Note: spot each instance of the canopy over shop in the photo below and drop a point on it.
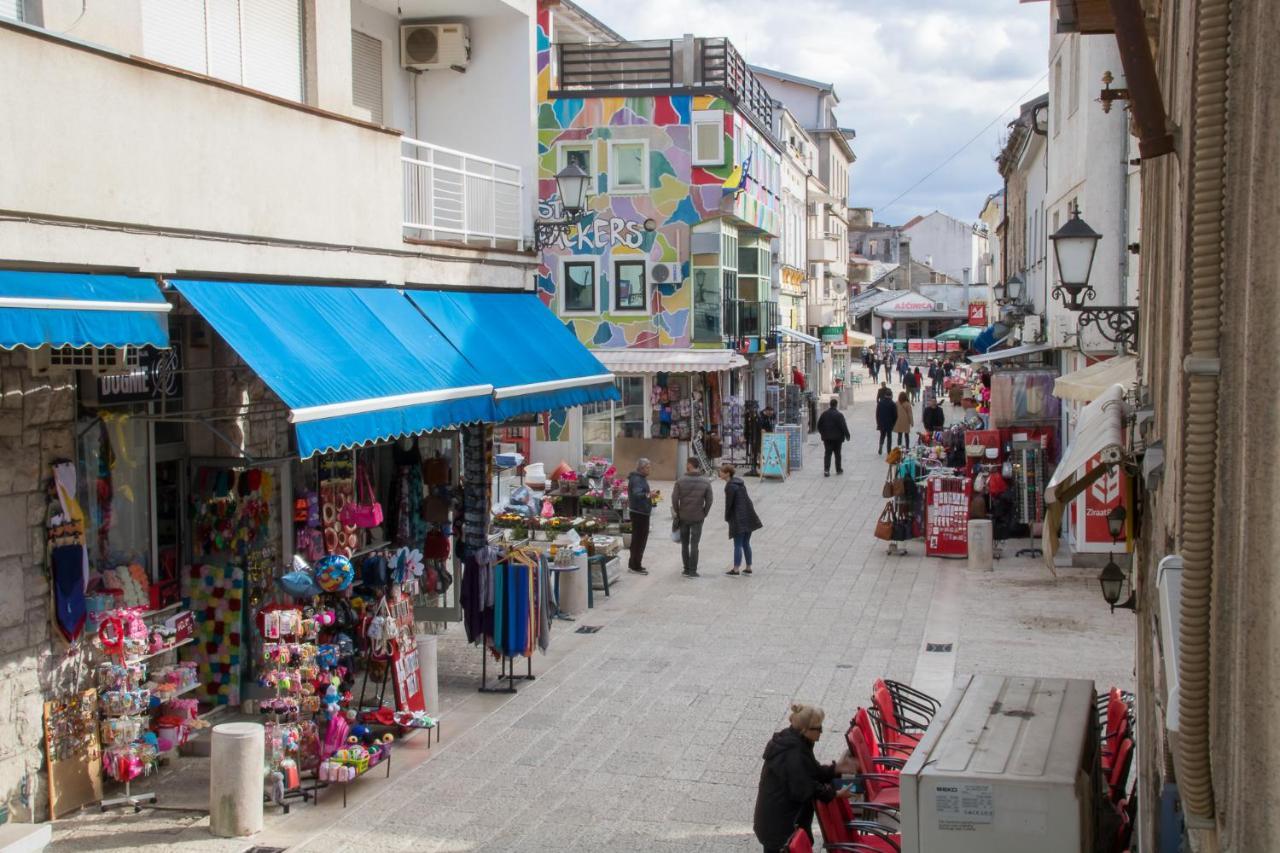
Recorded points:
(913, 315)
(164, 546)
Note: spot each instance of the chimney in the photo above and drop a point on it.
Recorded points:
(904, 253)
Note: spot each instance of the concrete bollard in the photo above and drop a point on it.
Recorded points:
(981, 545)
(573, 587)
(429, 671)
(235, 779)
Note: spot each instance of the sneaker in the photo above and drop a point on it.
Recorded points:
(690, 574)
(640, 571)
(826, 473)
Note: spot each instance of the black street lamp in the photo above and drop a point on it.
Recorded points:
(1115, 522)
(571, 185)
(1074, 245)
(1112, 582)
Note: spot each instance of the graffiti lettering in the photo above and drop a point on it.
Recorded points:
(613, 231)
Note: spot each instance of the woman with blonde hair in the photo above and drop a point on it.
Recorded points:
(792, 779)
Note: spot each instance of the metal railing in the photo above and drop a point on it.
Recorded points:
(721, 65)
(453, 195)
(617, 65)
(749, 318)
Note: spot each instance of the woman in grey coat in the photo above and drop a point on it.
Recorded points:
(740, 512)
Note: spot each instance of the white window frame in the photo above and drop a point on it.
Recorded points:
(562, 160)
(626, 189)
(594, 260)
(715, 117)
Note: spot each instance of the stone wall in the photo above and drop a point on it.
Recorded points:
(36, 428)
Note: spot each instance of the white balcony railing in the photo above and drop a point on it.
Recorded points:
(452, 195)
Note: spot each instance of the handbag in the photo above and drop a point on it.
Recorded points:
(357, 514)
(894, 457)
(435, 471)
(899, 486)
(886, 491)
(884, 525)
(435, 509)
(902, 530)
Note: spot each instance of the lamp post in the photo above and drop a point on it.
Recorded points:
(1074, 245)
(1115, 522)
(571, 185)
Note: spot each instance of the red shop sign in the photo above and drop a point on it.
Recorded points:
(946, 517)
(978, 314)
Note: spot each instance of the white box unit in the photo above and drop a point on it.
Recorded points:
(664, 273)
(427, 47)
(1009, 765)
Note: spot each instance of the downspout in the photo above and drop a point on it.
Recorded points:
(1201, 366)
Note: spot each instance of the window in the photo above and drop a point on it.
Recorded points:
(630, 412)
(579, 286)
(11, 9)
(629, 288)
(255, 44)
(627, 166)
(1074, 103)
(708, 137)
(706, 305)
(1056, 96)
(582, 155)
(366, 74)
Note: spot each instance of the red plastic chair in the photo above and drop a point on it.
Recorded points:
(910, 697)
(799, 842)
(841, 832)
(1119, 776)
(893, 726)
(1116, 727)
(877, 773)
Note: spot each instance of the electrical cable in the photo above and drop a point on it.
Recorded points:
(961, 149)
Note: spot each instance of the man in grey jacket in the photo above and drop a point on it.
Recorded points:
(690, 503)
(640, 503)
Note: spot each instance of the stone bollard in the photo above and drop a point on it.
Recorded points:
(573, 587)
(981, 545)
(235, 779)
(429, 671)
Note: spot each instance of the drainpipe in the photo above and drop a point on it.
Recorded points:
(1200, 448)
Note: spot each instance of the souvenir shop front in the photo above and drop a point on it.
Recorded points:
(673, 404)
(992, 462)
(264, 510)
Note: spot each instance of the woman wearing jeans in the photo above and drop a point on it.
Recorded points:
(742, 518)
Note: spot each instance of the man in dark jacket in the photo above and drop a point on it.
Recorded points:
(886, 418)
(934, 419)
(792, 779)
(834, 432)
(640, 503)
(690, 503)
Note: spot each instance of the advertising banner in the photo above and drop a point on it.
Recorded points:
(946, 517)
(978, 314)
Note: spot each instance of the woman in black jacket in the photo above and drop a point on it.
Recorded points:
(886, 418)
(740, 512)
(791, 779)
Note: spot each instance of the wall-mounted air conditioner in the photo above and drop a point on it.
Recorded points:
(47, 361)
(428, 47)
(939, 306)
(664, 273)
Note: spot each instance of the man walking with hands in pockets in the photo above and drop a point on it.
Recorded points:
(690, 503)
(834, 432)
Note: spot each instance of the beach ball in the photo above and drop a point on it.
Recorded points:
(334, 573)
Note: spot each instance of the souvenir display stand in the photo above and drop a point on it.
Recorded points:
(73, 752)
(507, 608)
(291, 669)
(1028, 478)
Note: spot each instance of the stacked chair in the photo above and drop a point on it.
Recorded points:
(1115, 733)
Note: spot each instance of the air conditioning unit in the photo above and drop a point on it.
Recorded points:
(939, 306)
(427, 47)
(665, 273)
(48, 361)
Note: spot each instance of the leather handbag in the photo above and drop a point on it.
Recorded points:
(884, 526)
(358, 514)
(899, 487)
(887, 490)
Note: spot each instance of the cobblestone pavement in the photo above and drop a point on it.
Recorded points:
(647, 735)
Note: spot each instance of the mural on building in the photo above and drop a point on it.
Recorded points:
(648, 222)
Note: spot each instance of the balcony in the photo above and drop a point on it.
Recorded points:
(651, 67)
(452, 195)
(823, 249)
(748, 318)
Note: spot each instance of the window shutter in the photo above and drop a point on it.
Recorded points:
(271, 38)
(366, 74)
(222, 27)
(11, 9)
(173, 32)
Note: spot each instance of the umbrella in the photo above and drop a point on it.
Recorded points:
(959, 333)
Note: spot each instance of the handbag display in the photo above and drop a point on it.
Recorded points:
(884, 526)
(435, 472)
(357, 514)
(899, 486)
(886, 491)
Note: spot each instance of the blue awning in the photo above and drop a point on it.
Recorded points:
(530, 357)
(78, 310)
(353, 364)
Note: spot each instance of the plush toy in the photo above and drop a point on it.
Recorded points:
(331, 706)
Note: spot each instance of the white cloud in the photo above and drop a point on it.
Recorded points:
(916, 78)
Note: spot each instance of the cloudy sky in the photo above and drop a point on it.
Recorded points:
(917, 79)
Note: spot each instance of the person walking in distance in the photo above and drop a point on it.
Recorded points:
(740, 512)
(834, 432)
(933, 418)
(690, 502)
(902, 425)
(640, 503)
(911, 383)
(904, 367)
(873, 365)
(886, 418)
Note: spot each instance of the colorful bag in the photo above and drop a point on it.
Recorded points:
(357, 514)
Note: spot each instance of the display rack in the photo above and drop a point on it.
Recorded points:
(1028, 477)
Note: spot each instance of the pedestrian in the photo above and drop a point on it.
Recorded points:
(640, 502)
(875, 368)
(797, 377)
(690, 503)
(902, 425)
(919, 383)
(834, 432)
(933, 418)
(910, 386)
(904, 367)
(886, 418)
(767, 419)
(935, 377)
(740, 512)
(792, 779)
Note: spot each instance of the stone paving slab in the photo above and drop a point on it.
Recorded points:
(647, 735)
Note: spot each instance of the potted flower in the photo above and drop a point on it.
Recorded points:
(625, 529)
